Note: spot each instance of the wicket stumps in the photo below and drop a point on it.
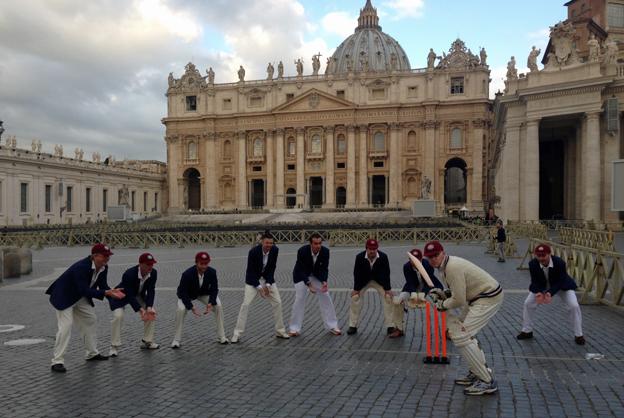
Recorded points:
(438, 336)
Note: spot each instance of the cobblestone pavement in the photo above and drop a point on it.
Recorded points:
(316, 374)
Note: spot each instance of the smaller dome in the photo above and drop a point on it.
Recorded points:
(368, 49)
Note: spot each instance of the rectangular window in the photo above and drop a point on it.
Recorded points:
(23, 197)
(378, 164)
(341, 165)
(255, 101)
(379, 93)
(191, 103)
(291, 148)
(88, 199)
(340, 94)
(155, 208)
(144, 201)
(615, 14)
(70, 198)
(133, 200)
(256, 168)
(342, 145)
(289, 96)
(104, 200)
(291, 167)
(48, 198)
(457, 85)
(227, 104)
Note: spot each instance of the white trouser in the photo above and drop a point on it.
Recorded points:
(84, 315)
(117, 322)
(275, 300)
(328, 313)
(356, 305)
(464, 327)
(217, 311)
(500, 247)
(398, 310)
(568, 297)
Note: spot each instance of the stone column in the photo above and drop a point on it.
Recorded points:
(329, 185)
(477, 161)
(300, 168)
(350, 166)
(181, 197)
(363, 167)
(530, 173)
(510, 166)
(430, 156)
(279, 168)
(395, 166)
(591, 168)
(212, 172)
(241, 180)
(270, 169)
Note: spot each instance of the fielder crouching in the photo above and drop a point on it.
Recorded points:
(479, 296)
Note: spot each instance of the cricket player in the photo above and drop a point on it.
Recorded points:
(479, 296)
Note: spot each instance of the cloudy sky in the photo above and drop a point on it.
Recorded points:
(93, 73)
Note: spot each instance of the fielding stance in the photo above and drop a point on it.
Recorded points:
(199, 283)
(72, 296)
(548, 278)
(480, 297)
(260, 280)
(139, 284)
(310, 275)
(371, 270)
(413, 293)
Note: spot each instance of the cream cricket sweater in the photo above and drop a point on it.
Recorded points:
(466, 281)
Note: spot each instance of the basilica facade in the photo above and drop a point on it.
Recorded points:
(368, 130)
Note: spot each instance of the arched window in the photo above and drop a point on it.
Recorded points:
(412, 140)
(315, 144)
(341, 144)
(456, 139)
(191, 151)
(258, 147)
(227, 149)
(379, 142)
(291, 146)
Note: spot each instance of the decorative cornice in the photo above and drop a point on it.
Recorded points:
(572, 91)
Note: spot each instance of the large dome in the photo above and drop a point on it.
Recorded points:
(368, 49)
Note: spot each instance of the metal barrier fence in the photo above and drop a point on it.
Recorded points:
(146, 239)
(598, 273)
(600, 240)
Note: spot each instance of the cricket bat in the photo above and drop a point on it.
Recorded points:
(416, 263)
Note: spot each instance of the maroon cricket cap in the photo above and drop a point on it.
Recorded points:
(102, 249)
(542, 250)
(372, 244)
(147, 258)
(433, 248)
(416, 253)
(202, 256)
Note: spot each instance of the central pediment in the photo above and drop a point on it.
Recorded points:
(314, 100)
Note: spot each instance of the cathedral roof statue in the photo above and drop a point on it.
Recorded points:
(369, 48)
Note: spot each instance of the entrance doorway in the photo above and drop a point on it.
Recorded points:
(341, 197)
(192, 196)
(291, 198)
(257, 194)
(378, 192)
(455, 182)
(316, 192)
(551, 179)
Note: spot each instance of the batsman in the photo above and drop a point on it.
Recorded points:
(479, 296)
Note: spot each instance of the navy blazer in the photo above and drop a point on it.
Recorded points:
(254, 266)
(362, 272)
(305, 266)
(189, 290)
(75, 283)
(413, 282)
(557, 276)
(130, 284)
